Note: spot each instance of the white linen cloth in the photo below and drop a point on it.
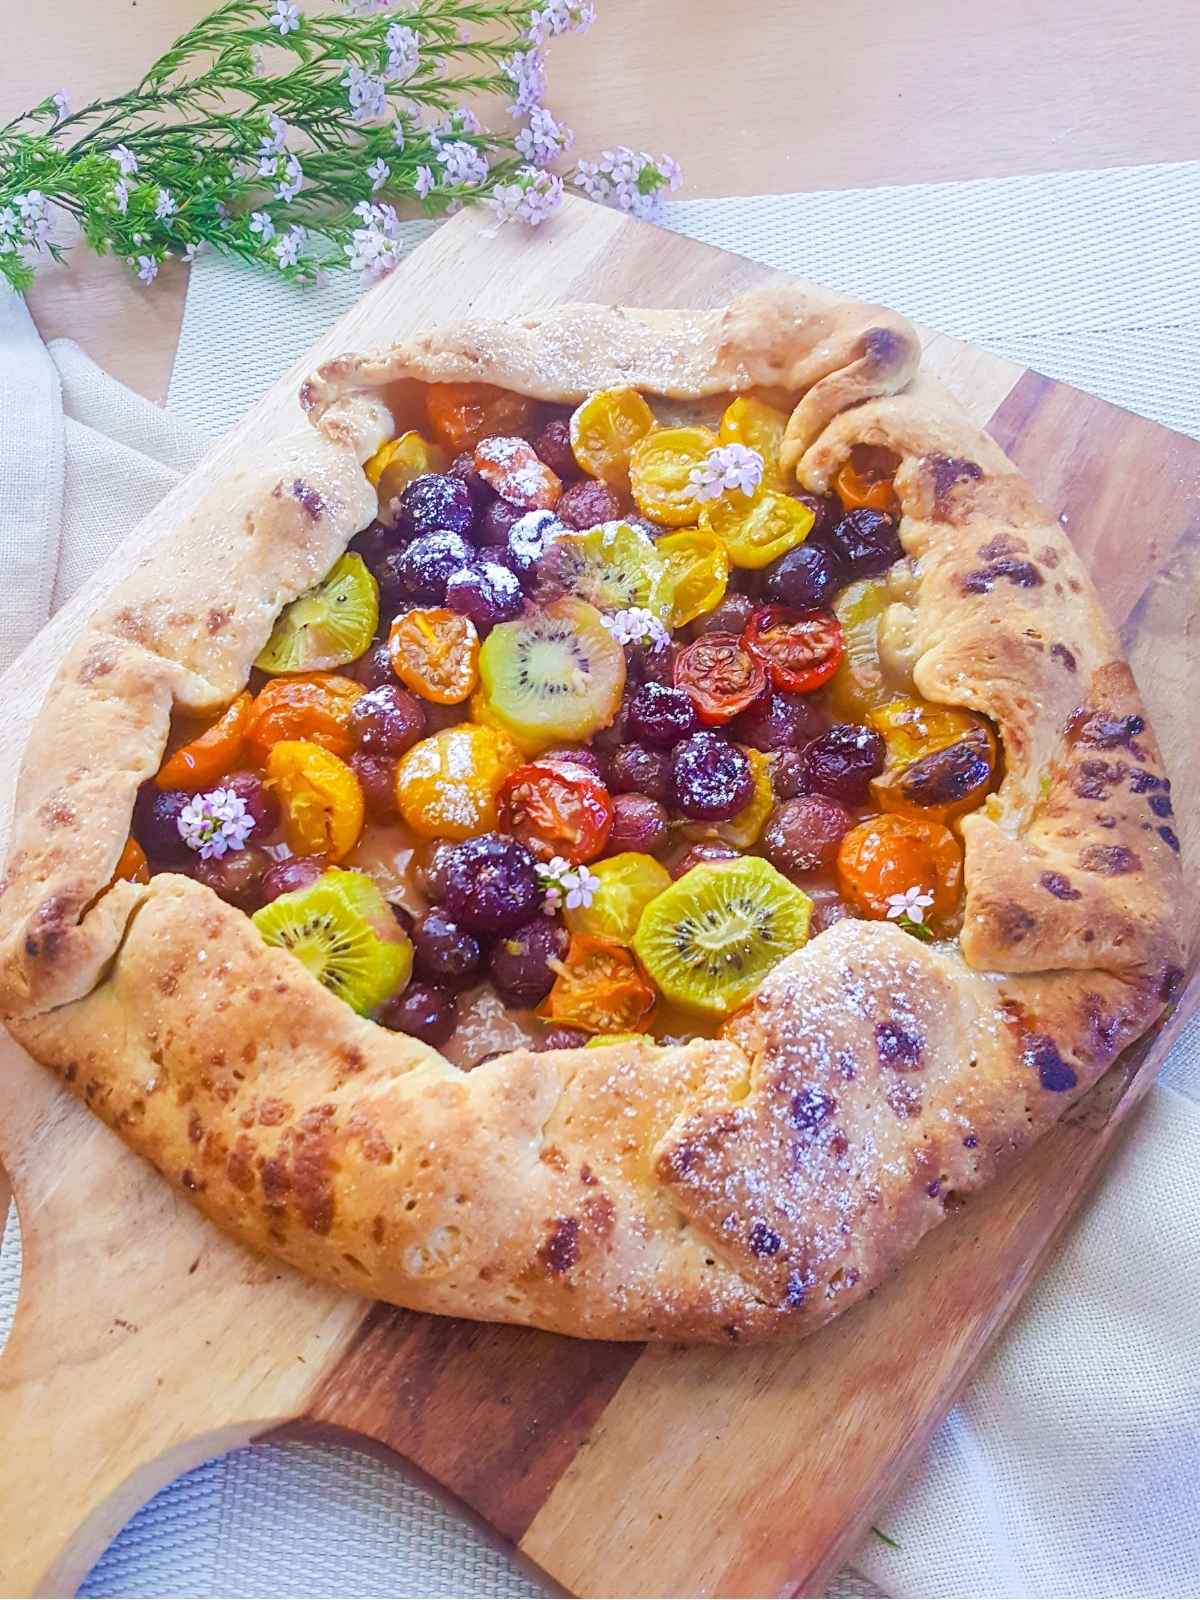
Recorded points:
(1072, 1464)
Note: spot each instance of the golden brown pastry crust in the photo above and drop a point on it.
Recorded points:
(714, 1191)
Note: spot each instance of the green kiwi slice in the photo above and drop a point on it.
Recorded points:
(711, 938)
(555, 673)
(340, 928)
(327, 627)
(614, 567)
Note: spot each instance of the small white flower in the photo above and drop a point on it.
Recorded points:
(215, 822)
(273, 140)
(526, 71)
(147, 268)
(125, 159)
(258, 62)
(560, 16)
(292, 181)
(165, 206)
(638, 626)
(285, 17)
(565, 884)
(121, 195)
(379, 172)
(262, 224)
(729, 467)
(10, 223)
(366, 93)
(31, 205)
(192, 249)
(404, 53)
(463, 163)
(544, 140)
(62, 105)
(398, 134)
(287, 249)
(912, 904)
(423, 182)
(268, 166)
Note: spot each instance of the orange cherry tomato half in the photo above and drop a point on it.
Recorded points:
(315, 708)
(599, 987)
(800, 649)
(132, 866)
(556, 808)
(514, 469)
(865, 479)
(885, 857)
(435, 653)
(321, 799)
(198, 764)
(720, 676)
(461, 414)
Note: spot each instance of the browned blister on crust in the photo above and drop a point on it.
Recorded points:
(724, 1190)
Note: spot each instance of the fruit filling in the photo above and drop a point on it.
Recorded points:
(600, 720)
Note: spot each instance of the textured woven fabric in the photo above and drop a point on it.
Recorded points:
(1070, 1467)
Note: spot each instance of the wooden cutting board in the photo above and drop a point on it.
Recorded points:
(146, 1342)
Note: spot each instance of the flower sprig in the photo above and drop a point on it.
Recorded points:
(281, 138)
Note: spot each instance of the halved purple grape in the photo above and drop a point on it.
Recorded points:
(424, 1011)
(787, 774)
(429, 867)
(650, 663)
(388, 720)
(553, 444)
(519, 965)
(662, 715)
(806, 578)
(711, 778)
(485, 592)
(436, 503)
(237, 876)
(842, 762)
(491, 884)
(865, 542)
(702, 854)
(376, 774)
(585, 505)
(826, 510)
(463, 468)
(779, 722)
(803, 834)
(444, 952)
(731, 616)
(497, 523)
(156, 824)
(639, 823)
(261, 805)
(285, 877)
(580, 755)
(562, 1039)
(527, 541)
(428, 563)
(637, 769)
(373, 669)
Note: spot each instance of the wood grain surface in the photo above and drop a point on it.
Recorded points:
(780, 96)
(145, 1341)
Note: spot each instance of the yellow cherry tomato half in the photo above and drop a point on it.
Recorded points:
(604, 430)
(660, 469)
(321, 799)
(435, 653)
(446, 785)
(942, 760)
(132, 866)
(396, 463)
(697, 573)
(627, 884)
(198, 764)
(756, 529)
(759, 427)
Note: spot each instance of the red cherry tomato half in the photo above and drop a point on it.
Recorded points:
(557, 808)
(800, 649)
(720, 676)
